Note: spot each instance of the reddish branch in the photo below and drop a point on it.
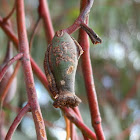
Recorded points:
(77, 111)
(44, 13)
(34, 32)
(8, 30)
(28, 75)
(3, 95)
(10, 14)
(67, 122)
(81, 19)
(16, 122)
(89, 82)
(9, 63)
(74, 118)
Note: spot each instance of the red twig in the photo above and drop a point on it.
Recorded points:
(3, 95)
(16, 122)
(34, 32)
(89, 82)
(76, 109)
(74, 118)
(8, 30)
(44, 13)
(29, 81)
(8, 64)
(10, 14)
(67, 122)
(72, 131)
(81, 19)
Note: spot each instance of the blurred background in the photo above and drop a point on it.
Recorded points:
(115, 63)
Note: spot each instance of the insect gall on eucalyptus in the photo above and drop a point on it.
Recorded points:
(60, 64)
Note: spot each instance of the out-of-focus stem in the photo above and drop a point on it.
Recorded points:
(74, 118)
(27, 70)
(8, 64)
(16, 122)
(3, 95)
(67, 127)
(44, 13)
(34, 32)
(11, 13)
(77, 111)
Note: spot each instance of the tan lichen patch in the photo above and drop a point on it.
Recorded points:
(70, 70)
(42, 133)
(62, 82)
(39, 119)
(38, 116)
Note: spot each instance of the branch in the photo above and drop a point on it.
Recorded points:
(89, 82)
(8, 30)
(77, 111)
(16, 122)
(81, 18)
(3, 95)
(44, 13)
(9, 63)
(71, 115)
(34, 32)
(10, 14)
(28, 75)
(67, 122)
(80, 22)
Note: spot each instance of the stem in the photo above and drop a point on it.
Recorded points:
(89, 82)
(34, 32)
(9, 63)
(71, 115)
(29, 81)
(77, 111)
(67, 127)
(72, 132)
(44, 13)
(16, 122)
(10, 14)
(3, 95)
(81, 18)
(7, 29)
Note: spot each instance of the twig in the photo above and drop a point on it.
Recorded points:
(10, 14)
(80, 22)
(67, 127)
(77, 111)
(72, 131)
(28, 75)
(3, 95)
(34, 32)
(44, 13)
(8, 30)
(81, 18)
(8, 64)
(89, 82)
(74, 118)
(16, 122)
(2, 134)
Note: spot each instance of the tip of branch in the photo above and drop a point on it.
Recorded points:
(93, 36)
